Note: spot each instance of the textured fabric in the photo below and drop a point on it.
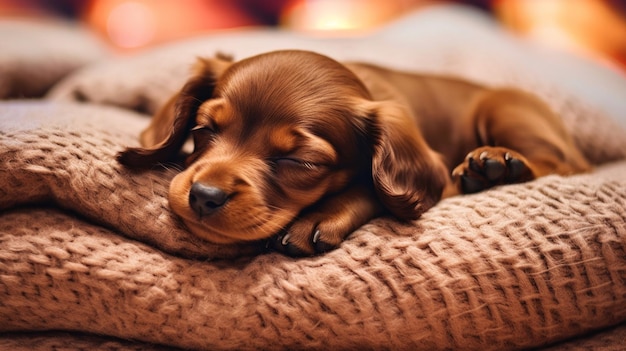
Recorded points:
(36, 55)
(434, 285)
(70, 160)
(88, 248)
(513, 267)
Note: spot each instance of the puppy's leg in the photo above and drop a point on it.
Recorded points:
(323, 227)
(521, 139)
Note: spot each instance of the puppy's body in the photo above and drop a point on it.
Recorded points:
(457, 116)
(298, 147)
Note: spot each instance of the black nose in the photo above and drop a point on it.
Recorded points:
(205, 199)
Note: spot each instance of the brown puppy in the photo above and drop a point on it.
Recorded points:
(298, 147)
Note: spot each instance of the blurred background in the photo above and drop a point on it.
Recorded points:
(591, 27)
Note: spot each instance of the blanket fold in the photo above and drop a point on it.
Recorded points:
(513, 267)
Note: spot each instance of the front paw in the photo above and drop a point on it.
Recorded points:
(322, 227)
(488, 166)
(307, 237)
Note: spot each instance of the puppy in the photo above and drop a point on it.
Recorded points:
(299, 148)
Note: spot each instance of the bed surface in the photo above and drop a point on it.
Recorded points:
(92, 258)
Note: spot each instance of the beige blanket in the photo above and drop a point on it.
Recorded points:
(87, 247)
(515, 266)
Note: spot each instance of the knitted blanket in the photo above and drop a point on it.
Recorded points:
(91, 256)
(513, 267)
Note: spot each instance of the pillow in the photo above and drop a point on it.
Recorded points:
(585, 94)
(65, 154)
(512, 267)
(35, 55)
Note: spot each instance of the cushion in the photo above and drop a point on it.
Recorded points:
(36, 55)
(90, 247)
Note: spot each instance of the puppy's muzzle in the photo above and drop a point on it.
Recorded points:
(205, 199)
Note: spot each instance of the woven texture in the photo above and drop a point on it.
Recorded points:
(70, 160)
(91, 251)
(513, 267)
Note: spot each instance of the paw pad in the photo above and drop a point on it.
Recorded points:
(493, 166)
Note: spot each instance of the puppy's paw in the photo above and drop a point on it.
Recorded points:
(308, 236)
(323, 226)
(489, 166)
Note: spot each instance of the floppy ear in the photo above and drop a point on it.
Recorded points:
(169, 128)
(408, 176)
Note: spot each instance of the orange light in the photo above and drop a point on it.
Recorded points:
(338, 15)
(132, 24)
(589, 27)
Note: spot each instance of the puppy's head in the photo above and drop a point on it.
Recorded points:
(273, 134)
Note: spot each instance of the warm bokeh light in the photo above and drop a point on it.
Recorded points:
(130, 24)
(595, 28)
(590, 27)
(342, 15)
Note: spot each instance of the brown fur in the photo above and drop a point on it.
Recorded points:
(294, 146)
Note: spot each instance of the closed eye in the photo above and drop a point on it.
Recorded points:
(287, 161)
(294, 162)
(202, 137)
(296, 173)
(202, 129)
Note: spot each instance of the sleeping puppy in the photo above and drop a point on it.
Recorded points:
(299, 148)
